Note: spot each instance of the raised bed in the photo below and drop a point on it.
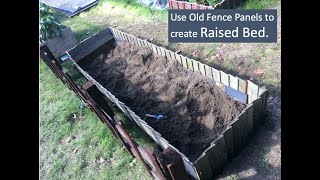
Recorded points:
(228, 142)
(223, 4)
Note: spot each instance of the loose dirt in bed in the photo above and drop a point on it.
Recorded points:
(196, 111)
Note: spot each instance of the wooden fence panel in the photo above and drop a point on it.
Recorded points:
(195, 65)
(252, 92)
(233, 82)
(189, 64)
(203, 167)
(224, 78)
(228, 139)
(216, 75)
(184, 62)
(202, 69)
(208, 72)
(242, 86)
(217, 155)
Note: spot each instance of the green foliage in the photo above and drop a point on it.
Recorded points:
(258, 4)
(205, 2)
(49, 26)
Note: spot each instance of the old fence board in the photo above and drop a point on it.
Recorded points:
(233, 82)
(216, 75)
(250, 116)
(228, 138)
(217, 155)
(202, 69)
(208, 72)
(195, 65)
(242, 86)
(224, 78)
(257, 104)
(184, 62)
(203, 167)
(189, 64)
(252, 92)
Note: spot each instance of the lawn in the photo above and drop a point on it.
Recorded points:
(74, 144)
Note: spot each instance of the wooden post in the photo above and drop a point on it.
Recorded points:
(174, 164)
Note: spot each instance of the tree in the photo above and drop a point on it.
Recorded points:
(49, 26)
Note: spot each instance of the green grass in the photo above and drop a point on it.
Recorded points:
(91, 140)
(97, 18)
(259, 4)
(139, 9)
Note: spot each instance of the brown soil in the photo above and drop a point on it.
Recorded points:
(196, 111)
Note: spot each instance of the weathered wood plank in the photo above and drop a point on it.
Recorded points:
(154, 49)
(178, 58)
(124, 36)
(134, 40)
(202, 68)
(242, 86)
(250, 119)
(208, 71)
(159, 50)
(239, 128)
(184, 62)
(238, 134)
(195, 65)
(167, 53)
(228, 139)
(149, 45)
(149, 131)
(115, 33)
(203, 167)
(139, 42)
(174, 163)
(128, 37)
(163, 51)
(216, 75)
(263, 93)
(252, 92)
(189, 64)
(144, 43)
(172, 55)
(217, 155)
(224, 78)
(233, 82)
(257, 104)
(121, 36)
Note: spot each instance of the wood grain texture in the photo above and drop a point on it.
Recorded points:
(234, 82)
(184, 62)
(202, 69)
(228, 138)
(242, 86)
(204, 168)
(178, 58)
(224, 78)
(252, 91)
(216, 75)
(217, 155)
(208, 72)
(195, 65)
(189, 64)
